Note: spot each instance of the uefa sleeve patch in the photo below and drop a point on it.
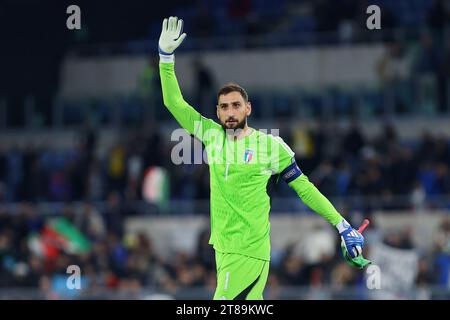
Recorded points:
(291, 172)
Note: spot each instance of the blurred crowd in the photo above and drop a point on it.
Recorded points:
(342, 162)
(348, 163)
(123, 264)
(409, 71)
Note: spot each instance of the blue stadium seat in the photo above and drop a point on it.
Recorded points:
(303, 23)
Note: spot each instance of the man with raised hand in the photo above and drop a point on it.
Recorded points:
(244, 165)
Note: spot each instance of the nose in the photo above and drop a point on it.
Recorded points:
(231, 114)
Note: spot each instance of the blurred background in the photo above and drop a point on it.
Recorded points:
(85, 145)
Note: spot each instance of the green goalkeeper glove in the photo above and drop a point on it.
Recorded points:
(353, 239)
(359, 262)
(171, 36)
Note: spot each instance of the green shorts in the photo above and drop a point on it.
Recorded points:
(240, 277)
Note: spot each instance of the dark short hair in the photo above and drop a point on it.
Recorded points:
(233, 87)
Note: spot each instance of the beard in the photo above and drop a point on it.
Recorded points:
(231, 127)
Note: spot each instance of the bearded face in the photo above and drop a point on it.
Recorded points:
(232, 111)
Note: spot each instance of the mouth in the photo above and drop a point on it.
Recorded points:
(231, 121)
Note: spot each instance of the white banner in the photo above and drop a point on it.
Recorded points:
(398, 267)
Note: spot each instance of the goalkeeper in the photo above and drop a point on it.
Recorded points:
(244, 165)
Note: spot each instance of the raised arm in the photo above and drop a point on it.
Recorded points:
(171, 37)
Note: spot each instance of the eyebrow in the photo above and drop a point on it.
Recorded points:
(227, 103)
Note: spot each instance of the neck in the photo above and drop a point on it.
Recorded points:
(241, 133)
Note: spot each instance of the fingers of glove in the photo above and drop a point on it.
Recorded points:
(355, 251)
(179, 27)
(351, 252)
(348, 249)
(180, 39)
(174, 24)
(171, 24)
(164, 25)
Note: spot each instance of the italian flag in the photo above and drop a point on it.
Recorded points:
(155, 186)
(58, 235)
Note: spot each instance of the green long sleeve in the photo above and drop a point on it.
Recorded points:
(315, 200)
(185, 114)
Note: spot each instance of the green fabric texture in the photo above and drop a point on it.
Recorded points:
(359, 262)
(315, 200)
(240, 277)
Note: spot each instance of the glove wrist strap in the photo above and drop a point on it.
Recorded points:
(166, 58)
(342, 226)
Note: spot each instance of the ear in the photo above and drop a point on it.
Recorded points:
(217, 111)
(249, 108)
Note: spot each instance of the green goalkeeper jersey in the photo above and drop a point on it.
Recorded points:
(242, 173)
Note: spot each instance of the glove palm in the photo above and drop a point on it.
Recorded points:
(171, 35)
